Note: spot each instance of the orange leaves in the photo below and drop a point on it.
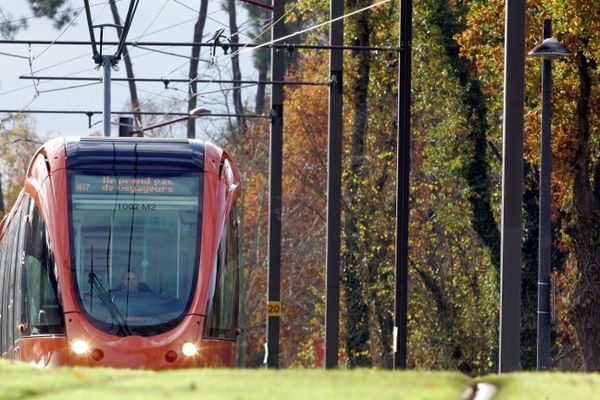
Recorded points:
(303, 214)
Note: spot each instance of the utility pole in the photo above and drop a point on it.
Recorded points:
(274, 309)
(135, 102)
(108, 61)
(512, 187)
(107, 65)
(402, 187)
(334, 186)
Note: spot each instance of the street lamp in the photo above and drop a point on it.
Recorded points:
(550, 49)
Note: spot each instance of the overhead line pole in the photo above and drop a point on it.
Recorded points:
(108, 61)
(400, 333)
(512, 186)
(275, 178)
(334, 187)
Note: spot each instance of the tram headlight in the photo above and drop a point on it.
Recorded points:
(80, 347)
(189, 349)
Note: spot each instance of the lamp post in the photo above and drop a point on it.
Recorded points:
(550, 49)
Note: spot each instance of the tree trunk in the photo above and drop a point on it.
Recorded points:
(449, 19)
(259, 107)
(585, 229)
(476, 171)
(443, 312)
(384, 316)
(235, 69)
(357, 320)
(135, 103)
(585, 314)
(193, 74)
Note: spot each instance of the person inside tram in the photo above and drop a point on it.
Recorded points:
(131, 282)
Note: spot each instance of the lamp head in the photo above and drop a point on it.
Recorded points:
(550, 49)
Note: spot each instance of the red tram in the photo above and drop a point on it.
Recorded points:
(122, 252)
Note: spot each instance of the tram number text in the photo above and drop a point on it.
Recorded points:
(136, 206)
(274, 309)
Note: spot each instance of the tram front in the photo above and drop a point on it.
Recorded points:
(135, 218)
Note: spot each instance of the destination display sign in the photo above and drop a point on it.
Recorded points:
(151, 185)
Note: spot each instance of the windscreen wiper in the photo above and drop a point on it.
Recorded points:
(110, 306)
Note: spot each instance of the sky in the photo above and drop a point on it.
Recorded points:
(155, 20)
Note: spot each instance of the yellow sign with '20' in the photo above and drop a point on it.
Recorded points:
(274, 309)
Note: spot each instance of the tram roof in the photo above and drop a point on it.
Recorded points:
(148, 154)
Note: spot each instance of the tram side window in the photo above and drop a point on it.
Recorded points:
(2, 252)
(3, 267)
(10, 258)
(222, 316)
(41, 310)
(4, 270)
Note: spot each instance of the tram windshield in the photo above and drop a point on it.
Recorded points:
(135, 243)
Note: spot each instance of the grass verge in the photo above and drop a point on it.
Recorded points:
(19, 381)
(545, 386)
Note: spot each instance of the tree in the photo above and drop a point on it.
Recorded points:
(357, 315)
(303, 224)
(52, 9)
(58, 11)
(258, 20)
(18, 141)
(235, 69)
(193, 72)
(135, 103)
(8, 26)
(575, 142)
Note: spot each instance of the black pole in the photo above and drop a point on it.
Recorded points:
(107, 64)
(125, 126)
(402, 187)
(334, 187)
(95, 54)
(275, 172)
(512, 187)
(545, 247)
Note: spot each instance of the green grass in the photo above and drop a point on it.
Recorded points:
(545, 386)
(18, 381)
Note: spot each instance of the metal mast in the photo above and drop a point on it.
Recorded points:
(105, 60)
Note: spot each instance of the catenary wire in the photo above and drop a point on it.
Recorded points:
(216, 61)
(69, 25)
(279, 39)
(65, 11)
